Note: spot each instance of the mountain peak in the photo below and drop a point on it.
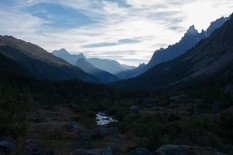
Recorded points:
(142, 65)
(192, 30)
(216, 24)
(71, 58)
(61, 51)
(82, 55)
(81, 60)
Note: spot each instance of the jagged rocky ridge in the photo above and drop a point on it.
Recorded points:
(189, 40)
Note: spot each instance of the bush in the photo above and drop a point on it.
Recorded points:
(226, 120)
(173, 117)
(14, 105)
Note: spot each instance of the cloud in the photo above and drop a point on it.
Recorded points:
(125, 41)
(99, 45)
(125, 30)
(105, 44)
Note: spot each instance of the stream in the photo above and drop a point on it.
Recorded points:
(103, 119)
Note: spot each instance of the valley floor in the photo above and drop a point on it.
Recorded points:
(150, 124)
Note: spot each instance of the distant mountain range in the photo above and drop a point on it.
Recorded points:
(189, 40)
(131, 73)
(103, 76)
(110, 66)
(106, 65)
(211, 57)
(39, 62)
(71, 58)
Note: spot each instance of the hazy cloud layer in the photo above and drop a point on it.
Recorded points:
(125, 30)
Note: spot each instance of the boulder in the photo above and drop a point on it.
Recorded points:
(174, 150)
(186, 150)
(39, 117)
(86, 102)
(45, 151)
(83, 144)
(102, 132)
(98, 133)
(229, 90)
(134, 108)
(6, 147)
(150, 101)
(36, 103)
(31, 147)
(214, 116)
(185, 97)
(114, 148)
(181, 99)
(219, 153)
(6, 138)
(107, 151)
(111, 130)
(44, 124)
(197, 101)
(117, 138)
(72, 106)
(173, 105)
(175, 98)
(140, 151)
(74, 127)
(87, 135)
(34, 149)
(215, 106)
(154, 108)
(231, 108)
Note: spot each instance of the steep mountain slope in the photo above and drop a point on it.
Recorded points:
(39, 62)
(129, 67)
(110, 66)
(9, 68)
(91, 69)
(131, 73)
(71, 58)
(206, 58)
(190, 39)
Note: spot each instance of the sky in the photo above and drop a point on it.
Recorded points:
(128, 31)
